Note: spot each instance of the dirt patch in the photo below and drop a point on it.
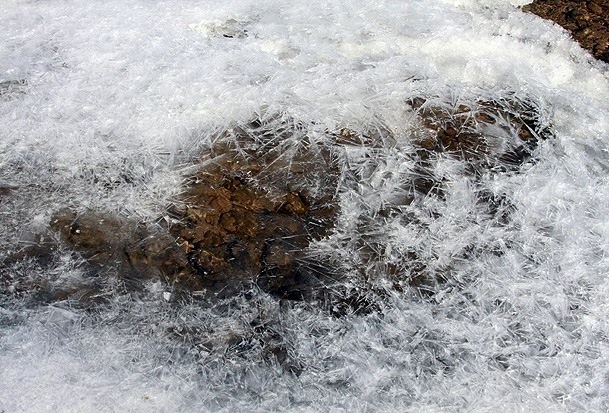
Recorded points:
(586, 20)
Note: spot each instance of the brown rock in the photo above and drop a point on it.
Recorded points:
(256, 215)
(463, 133)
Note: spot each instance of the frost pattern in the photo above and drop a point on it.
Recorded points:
(468, 282)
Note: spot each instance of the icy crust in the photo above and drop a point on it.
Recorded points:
(411, 263)
(103, 103)
(263, 202)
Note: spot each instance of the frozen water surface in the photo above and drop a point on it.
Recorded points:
(102, 103)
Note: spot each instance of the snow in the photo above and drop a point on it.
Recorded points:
(110, 100)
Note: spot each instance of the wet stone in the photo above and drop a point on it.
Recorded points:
(242, 219)
(112, 244)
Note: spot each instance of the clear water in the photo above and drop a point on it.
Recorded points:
(104, 101)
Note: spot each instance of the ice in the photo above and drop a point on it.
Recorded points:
(103, 104)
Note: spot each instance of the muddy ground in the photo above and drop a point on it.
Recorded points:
(588, 21)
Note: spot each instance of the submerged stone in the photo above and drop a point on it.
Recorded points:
(241, 219)
(110, 242)
(248, 215)
(495, 135)
(264, 194)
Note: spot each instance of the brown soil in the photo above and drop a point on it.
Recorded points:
(587, 21)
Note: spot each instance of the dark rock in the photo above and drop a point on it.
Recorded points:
(499, 135)
(242, 219)
(7, 189)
